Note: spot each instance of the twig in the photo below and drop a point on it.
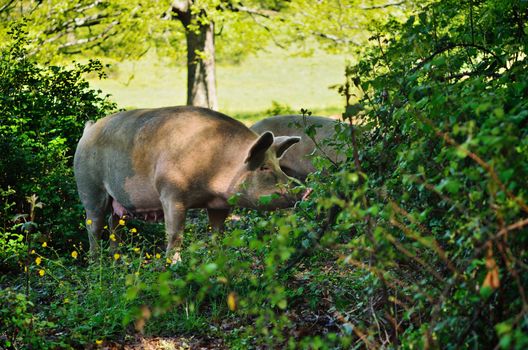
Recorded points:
(476, 315)
(419, 260)
(518, 225)
(476, 158)
(453, 46)
(513, 272)
(317, 146)
(435, 246)
(302, 253)
(397, 285)
(78, 22)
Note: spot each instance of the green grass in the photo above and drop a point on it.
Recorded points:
(244, 90)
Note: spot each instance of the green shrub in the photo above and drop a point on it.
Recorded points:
(42, 114)
(439, 201)
(20, 327)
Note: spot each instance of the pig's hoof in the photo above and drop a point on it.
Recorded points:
(176, 264)
(176, 258)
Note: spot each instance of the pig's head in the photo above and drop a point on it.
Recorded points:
(261, 184)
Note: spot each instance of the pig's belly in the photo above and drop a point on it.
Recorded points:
(137, 199)
(147, 214)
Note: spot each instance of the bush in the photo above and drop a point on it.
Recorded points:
(42, 114)
(439, 200)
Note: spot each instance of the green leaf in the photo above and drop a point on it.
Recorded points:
(267, 199)
(210, 268)
(486, 292)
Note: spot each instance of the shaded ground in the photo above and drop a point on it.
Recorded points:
(165, 343)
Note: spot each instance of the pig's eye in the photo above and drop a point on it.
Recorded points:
(264, 168)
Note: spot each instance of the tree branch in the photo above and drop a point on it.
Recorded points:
(378, 7)
(83, 41)
(6, 5)
(452, 46)
(486, 166)
(78, 8)
(267, 29)
(336, 39)
(259, 12)
(77, 22)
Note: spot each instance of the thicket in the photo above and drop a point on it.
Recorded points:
(441, 200)
(42, 114)
(418, 240)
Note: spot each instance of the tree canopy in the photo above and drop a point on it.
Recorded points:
(202, 30)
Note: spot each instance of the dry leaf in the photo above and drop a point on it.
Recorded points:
(142, 320)
(492, 277)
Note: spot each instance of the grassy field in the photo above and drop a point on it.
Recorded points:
(244, 90)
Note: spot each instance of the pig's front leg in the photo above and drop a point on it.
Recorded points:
(174, 213)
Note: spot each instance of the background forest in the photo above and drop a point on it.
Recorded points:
(417, 240)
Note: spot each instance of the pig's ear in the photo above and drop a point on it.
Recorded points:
(283, 143)
(257, 152)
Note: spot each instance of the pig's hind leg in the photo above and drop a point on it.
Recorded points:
(174, 213)
(97, 205)
(95, 224)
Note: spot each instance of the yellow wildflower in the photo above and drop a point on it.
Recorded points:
(232, 301)
(89, 222)
(116, 256)
(158, 256)
(133, 230)
(122, 222)
(45, 244)
(168, 260)
(32, 251)
(137, 250)
(148, 255)
(74, 254)
(113, 237)
(38, 260)
(98, 342)
(42, 272)
(66, 300)
(105, 227)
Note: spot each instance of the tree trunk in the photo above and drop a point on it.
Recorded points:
(201, 74)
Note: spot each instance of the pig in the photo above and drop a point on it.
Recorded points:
(159, 163)
(296, 162)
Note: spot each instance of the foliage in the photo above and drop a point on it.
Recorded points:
(60, 28)
(440, 201)
(329, 23)
(42, 113)
(20, 326)
(115, 28)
